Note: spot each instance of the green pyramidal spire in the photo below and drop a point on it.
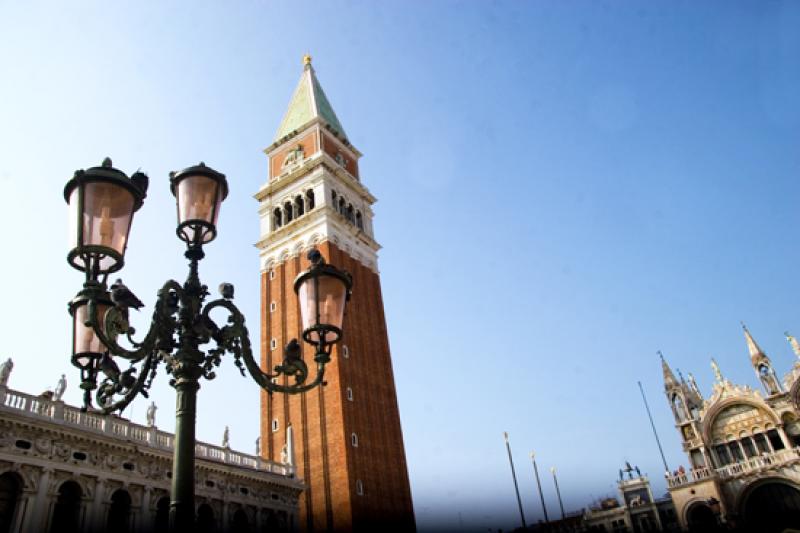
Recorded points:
(308, 102)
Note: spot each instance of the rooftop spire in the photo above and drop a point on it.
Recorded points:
(793, 342)
(717, 371)
(669, 377)
(755, 350)
(308, 103)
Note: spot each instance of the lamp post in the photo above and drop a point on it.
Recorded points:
(514, 476)
(102, 202)
(539, 485)
(558, 491)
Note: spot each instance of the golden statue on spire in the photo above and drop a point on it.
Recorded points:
(307, 60)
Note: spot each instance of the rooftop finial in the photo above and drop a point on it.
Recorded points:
(307, 60)
(793, 342)
(717, 371)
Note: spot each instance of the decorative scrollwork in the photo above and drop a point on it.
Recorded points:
(234, 338)
(179, 325)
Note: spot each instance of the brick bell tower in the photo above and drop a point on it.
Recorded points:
(344, 438)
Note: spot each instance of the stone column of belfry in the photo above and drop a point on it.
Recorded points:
(347, 441)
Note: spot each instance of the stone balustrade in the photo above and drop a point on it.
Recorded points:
(751, 465)
(57, 411)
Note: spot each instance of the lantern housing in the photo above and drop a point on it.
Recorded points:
(102, 201)
(322, 291)
(199, 192)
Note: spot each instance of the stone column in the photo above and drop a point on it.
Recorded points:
(38, 508)
(741, 450)
(787, 443)
(707, 458)
(769, 444)
(145, 512)
(96, 517)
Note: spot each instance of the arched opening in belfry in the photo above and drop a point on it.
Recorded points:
(772, 507)
(359, 220)
(67, 510)
(206, 522)
(299, 207)
(310, 199)
(287, 212)
(161, 524)
(119, 513)
(701, 518)
(342, 206)
(277, 218)
(10, 489)
(240, 522)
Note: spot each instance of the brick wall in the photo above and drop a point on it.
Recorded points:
(323, 419)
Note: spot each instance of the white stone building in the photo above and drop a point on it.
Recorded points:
(63, 470)
(639, 512)
(742, 447)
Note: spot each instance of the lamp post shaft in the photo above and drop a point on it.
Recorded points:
(514, 475)
(182, 504)
(539, 485)
(558, 492)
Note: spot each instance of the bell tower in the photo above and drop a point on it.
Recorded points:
(344, 438)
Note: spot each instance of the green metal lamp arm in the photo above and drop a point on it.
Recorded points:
(234, 338)
(162, 325)
(108, 388)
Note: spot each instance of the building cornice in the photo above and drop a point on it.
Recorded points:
(303, 169)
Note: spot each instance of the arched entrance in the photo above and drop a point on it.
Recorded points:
(701, 518)
(772, 507)
(119, 514)
(10, 487)
(162, 515)
(240, 522)
(67, 511)
(205, 519)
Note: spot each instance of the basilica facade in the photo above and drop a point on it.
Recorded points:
(742, 448)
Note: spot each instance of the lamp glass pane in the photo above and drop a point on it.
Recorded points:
(198, 199)
(85, 339)
(107, 214)
(74, 216)
(331, 302)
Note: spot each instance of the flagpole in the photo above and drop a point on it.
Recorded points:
(558, 491)
(514, 475)
(655, 433)
(539, 484)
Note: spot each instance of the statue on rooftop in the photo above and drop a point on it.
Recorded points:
(258, 445)
(61, 386)
(5, 372)
(226, 438)
(151, 414)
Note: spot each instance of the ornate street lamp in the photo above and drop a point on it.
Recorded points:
(102, 201)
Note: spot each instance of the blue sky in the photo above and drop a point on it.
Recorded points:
(564, 188)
